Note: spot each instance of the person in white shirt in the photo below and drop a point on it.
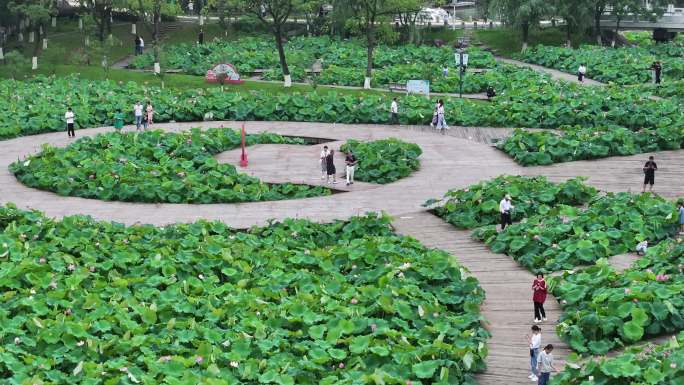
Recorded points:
(324, 164)
(142, 45)
(505, 208)
(581, 71)
(545, 365)
(138, 113)
(535, 345)
(69, 118)
(445, 71)
(394, 112)
(642, 248)
(441, 123)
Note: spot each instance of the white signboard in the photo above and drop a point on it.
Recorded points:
(418, 87)
(458, 57)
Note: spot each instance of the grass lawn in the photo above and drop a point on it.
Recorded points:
(507, 41)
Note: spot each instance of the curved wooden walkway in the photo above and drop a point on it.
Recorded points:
(554, 73)
(455, 160)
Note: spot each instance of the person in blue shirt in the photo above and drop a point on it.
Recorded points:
(680, 208)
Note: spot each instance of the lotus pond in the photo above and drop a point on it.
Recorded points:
(155, 166)
(384, 161)
(88, 302)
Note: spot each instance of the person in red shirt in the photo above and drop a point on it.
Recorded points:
(539, 297)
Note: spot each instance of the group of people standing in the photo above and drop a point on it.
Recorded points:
(328, 169)
(139, 45)
(144, 117)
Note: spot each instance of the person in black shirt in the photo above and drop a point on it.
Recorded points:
(137, 45)
(350, 161)
(657, 70)
(330, 163)
(649, 173)
(200, 37)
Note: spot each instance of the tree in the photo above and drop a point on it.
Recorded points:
(524, 14)
(407, 14)
(370, 13)
(599, 7)
(575, 13)
(621, 9)
(38, 13)
(101, 12)
(274, 14)
(313, 14)
(150, 12)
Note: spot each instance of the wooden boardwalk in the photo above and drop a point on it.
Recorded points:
(508, 307)
(554, 73)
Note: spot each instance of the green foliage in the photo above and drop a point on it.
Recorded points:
(566, 237)
(478, 205)
(88, 302)
(646, 364)
(383, 161)
(604, 309)
(155, 167)
(624, 65)
(581, 143)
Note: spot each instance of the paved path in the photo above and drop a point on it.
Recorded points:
(508, 306)
(461, 157)
(555, 74)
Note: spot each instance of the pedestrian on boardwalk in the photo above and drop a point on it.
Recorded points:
(657, 69)
(680, 209)
(118, 120)
(534, 340)
(581, 71)
(649, 174)
(539, 297)
(394, 112)
(330, 167)
(433, 123)
(138, 51)
(505, 208)
(441, 122)
(200, 37)
(350, 161)
(138, 113)
(149, 114)
(642, 247)
(545, 365)
(69, 118)
(324, 162)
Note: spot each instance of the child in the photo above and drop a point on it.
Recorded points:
(545, 365)
(118, 120)
(69, 118)
(534, 341)
(642, 248)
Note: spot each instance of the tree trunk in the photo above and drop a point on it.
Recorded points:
(568, 34)
(370, 41)
(617, 28)
(36, 47)
(525, 35)
(597, 25)
(278, 33)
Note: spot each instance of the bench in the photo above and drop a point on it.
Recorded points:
(256, 72)
(397, 87)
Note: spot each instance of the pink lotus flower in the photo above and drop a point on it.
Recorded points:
(124, 369)
(635, 300)
(409, 382)
(42, 260)
(662, 277)
(199, 359)
(627, 290)
(536, 237)
(374, 327)
(72, 267)
(164, 358)
(673, 365)
(67, 311)
(354, 301)
(341, 365)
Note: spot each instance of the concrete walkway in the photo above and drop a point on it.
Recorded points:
(555, 74)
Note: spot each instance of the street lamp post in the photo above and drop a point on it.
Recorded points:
(462, 62)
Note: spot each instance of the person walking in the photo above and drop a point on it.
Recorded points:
(545, 365)
(324, 162)
(445, 71)
(394, 112)
(350, 161)
(534, 340)
(69, 118)
(505, 208)
(149, 114)
(441, 123)
(680, 209)
(138, 114)
(539, 297)
(200, 37)
(142, 45)
(118, 120)
(657, 69)
(649, 173)
(433, 123)
(581, 71)
(137, 45)
(330, 167)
